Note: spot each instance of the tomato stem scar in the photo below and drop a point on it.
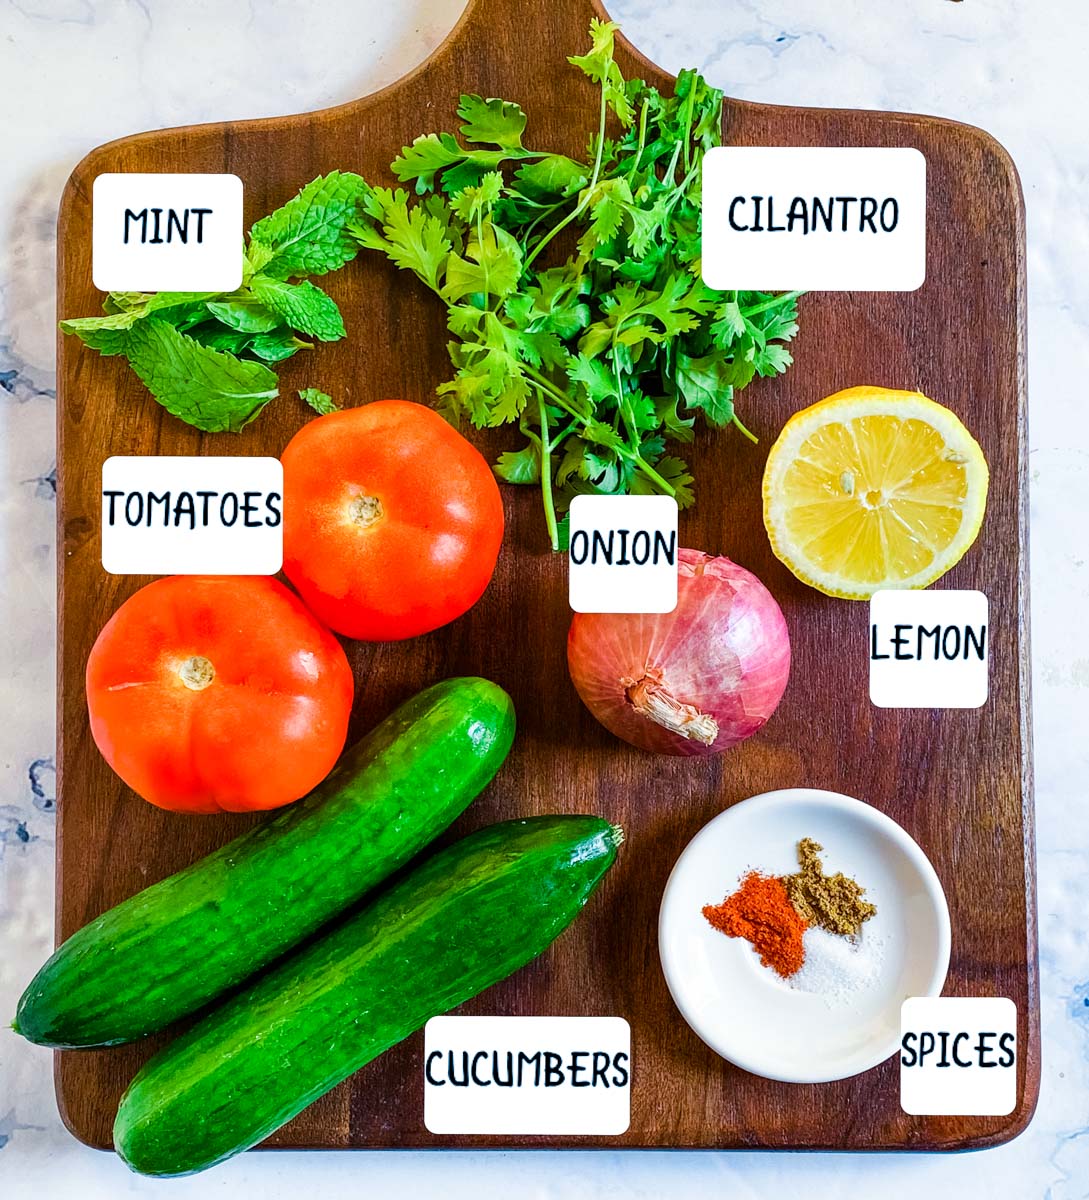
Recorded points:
(196, 673)
(365, 510)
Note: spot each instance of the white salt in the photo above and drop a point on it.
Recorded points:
(838, 968)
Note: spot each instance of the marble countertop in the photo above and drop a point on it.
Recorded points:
(79, 72)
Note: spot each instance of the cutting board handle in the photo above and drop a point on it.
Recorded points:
(527, 17)
(491, 27)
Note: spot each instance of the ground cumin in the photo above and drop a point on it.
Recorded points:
(834, 902)
(761, 912)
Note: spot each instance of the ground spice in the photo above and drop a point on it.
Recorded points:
(761, 912)
(834, 902)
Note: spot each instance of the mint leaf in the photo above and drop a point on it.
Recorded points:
(277, 345)
(221, 337)
(245, 313)
(320, 402)
(308, 235)
(107, 334)
(302, 306)
(206, 388)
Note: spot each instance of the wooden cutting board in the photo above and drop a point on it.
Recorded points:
(958, 781)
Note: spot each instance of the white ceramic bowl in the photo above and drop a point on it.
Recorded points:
(744, 1010)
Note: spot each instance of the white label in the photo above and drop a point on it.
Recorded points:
(176, 233)
(623, 554)
(958, 1056)
(928, 649)
(567, 1075)
(780, 218)
(192, 516)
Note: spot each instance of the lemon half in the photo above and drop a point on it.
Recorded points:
(873, 488)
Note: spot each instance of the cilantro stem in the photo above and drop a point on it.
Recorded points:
(587, 193)
(682, 187)
(751, 436)
(642, 142)
(774, 302)
(564, 402)
(671, 170)
(642, 464)
(483, 256)
(546, 210)
(689, 101)
(546, 474)
(623, 402)
(562, 437)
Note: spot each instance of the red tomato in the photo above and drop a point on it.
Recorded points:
(210, 694)
(392, 520)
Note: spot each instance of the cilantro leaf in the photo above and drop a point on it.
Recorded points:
(492, 268)
(209, 389)
(415, 239)
(708, 383)
(473, 202)
(496, 122)
(521, 466)
(772, 360)
(552, 176)
(601, 68)
(426, 157)
(675, 472)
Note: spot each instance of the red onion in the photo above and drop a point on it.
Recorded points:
(697, 680)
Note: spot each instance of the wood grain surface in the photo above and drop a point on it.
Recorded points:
(958, 781)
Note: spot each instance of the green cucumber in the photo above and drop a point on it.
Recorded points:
(178, 944)
(461, 921)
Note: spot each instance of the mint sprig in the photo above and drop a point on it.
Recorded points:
(203, 355)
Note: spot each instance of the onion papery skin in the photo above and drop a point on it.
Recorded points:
(724, 651)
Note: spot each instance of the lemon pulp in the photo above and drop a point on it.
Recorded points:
(873, 488)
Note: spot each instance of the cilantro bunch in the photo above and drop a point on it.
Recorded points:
(206, 356)
(573, 288)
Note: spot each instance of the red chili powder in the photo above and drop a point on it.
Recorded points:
(760, 911)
